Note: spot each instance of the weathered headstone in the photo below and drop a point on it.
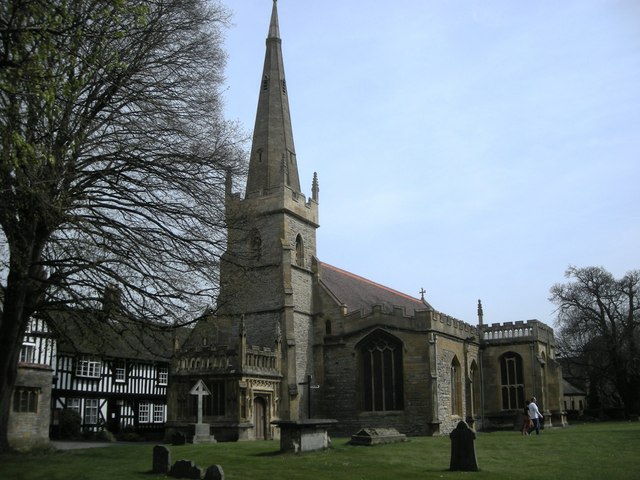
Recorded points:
(185, 469)
(214, 472)
(178, 439)
(161, 459)
(463, 450)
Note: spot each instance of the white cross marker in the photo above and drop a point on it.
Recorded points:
(200, 389)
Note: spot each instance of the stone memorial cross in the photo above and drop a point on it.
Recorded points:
(201, 390)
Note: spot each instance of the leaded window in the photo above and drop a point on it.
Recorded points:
(512, 381)
(381, 373)
(25, 399)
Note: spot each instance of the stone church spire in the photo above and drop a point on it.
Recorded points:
(273, 163)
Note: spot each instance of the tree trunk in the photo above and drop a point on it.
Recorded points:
(24, 288)
(12, 328)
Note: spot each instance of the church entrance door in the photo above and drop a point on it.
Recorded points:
(260, 417)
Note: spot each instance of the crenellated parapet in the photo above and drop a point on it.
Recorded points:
(530, 330)
(422, 320)
(450, 325)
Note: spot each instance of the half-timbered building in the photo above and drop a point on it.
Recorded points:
(114, 373)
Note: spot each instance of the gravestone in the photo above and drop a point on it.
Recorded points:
(377, 436)
(214, 472)
(161, 459)
(178, 439)
(185, 469)
(463, 450)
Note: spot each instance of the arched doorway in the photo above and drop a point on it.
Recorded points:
(260, 418)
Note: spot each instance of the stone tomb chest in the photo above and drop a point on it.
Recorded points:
(376, 436)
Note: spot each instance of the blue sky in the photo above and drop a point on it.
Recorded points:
(473, 148)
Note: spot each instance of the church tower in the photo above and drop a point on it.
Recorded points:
(266, 272)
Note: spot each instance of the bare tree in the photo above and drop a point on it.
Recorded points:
(599, 328)
(113, 159)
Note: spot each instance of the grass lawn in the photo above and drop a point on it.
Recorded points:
(608, 451)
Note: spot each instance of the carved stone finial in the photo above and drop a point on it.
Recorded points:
(480, 313)
(315, 189)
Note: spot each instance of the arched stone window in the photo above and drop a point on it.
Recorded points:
(327, 327)
(299, 251)
(474, 385)
(381, 377)
(512, 381)
(255, 245)
(456, 387)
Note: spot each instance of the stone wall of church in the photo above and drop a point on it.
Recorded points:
(340, 385)
(446, 354)
(307, 232)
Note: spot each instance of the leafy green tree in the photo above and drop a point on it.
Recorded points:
(599, 329)
(113, 159)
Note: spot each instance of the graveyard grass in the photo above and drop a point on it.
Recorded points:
(585, 451)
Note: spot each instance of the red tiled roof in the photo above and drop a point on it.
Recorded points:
(359, 293)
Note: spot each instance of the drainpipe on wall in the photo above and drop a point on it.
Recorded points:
(481, 348)
(534, 392)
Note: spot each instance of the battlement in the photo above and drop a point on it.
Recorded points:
(525, 330)
(448, 324)
(425, 319)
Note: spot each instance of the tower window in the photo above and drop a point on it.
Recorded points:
(299, 251)
(265, 83)
(284, 86)
(255, 245)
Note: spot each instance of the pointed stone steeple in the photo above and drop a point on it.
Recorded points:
(273, 163)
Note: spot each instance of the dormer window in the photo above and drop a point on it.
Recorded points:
(284, 86)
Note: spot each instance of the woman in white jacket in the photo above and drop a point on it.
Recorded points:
(535, 414)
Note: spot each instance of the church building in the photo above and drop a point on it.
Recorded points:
(295, 338)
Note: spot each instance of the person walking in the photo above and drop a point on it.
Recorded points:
(527, 424)
(535, 415)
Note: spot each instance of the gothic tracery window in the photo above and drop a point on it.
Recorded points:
(381, 373)
(512, 381)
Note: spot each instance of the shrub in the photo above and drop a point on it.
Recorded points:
(70, 424)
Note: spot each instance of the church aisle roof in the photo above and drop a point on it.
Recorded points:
(359, 293)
